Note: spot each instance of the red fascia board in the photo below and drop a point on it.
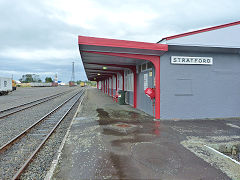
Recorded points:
(201, 30)
(85, 40)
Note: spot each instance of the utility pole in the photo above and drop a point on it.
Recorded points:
(73, 73)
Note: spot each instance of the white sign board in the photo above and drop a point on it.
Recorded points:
(145, 81)
(191, 60)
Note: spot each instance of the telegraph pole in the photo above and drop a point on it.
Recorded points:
(73, 73)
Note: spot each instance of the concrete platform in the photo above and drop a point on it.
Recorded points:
(111, 141)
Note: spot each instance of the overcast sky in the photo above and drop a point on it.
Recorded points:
(40, 36)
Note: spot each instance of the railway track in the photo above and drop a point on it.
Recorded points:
(18, 153)
(15, 109)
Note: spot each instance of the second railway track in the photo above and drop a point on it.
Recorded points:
(15, 109)
(19, 152)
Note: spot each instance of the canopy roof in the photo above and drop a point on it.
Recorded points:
(222, 36)
(201, 30)
(98, 61)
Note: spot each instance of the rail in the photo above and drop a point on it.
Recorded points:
(47, 123)
(15, 109)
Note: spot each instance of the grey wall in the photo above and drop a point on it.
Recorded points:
(200, 91)
(144, 103)
(129, 95)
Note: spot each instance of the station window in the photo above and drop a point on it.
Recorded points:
(129, 81)
(144, 67)
(149, 65)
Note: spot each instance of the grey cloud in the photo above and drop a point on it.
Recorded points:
(30, 25)
(174, 16)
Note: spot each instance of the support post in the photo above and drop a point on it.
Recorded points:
(156, 63)
(116, 83)
(108, 86)
(112, 87)
(122, 73)
(134, 87)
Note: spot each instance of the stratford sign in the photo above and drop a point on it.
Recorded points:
(191, 60)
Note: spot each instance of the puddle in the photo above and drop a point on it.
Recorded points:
(137, 138)
(157, 157)
(125, 168)
(102, 114)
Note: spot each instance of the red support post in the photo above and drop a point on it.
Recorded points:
(134, 87)
(108, 87)
(156, 63)
(97, 85)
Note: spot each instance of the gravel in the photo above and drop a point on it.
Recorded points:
(21, 150)
(42, 162)
(27, 94)
(14, 124)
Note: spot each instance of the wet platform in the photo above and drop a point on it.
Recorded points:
(112, 141)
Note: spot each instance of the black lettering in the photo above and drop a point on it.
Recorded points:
(183, 59)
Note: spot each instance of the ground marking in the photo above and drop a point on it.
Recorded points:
(222, 154)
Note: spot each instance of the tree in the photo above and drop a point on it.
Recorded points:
(27, 78)
(48, 79)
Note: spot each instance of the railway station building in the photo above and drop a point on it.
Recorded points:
(193, 75)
